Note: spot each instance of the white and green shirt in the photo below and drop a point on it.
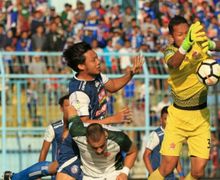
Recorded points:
(94, 165)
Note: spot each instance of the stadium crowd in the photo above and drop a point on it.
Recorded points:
(31, 25)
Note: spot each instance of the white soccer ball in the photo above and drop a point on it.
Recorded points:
(209, 72)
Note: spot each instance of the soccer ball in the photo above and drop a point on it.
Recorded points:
(209, 72)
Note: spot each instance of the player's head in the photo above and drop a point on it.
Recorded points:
(178, 28)
(96, 137)
(64, 102)
(163, 116)
(81, 58)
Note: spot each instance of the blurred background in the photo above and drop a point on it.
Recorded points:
(33, 34)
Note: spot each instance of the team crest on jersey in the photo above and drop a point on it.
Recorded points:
(97, 83)
(74, 169)
(172, 146)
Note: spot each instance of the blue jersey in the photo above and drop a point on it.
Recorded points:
(155, 155)
(95, 92)
(56, 143)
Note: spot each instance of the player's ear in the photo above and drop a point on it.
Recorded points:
(81, 67)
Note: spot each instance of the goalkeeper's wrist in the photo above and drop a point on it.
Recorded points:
(212, 45)
(125, 170)
(185, 46)
(182, 50)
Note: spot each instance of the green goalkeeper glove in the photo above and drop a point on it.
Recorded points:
(194, 34)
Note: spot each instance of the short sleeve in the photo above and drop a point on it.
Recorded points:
(168, 53)
(152, 141)
(80, 101)
(105, 79)
(49, 134)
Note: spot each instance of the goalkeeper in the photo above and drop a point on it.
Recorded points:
(188, 116)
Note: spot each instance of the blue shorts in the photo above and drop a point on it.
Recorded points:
(68, 159)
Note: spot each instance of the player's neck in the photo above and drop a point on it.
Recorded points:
(85, 76)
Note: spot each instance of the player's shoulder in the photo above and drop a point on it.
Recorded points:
(170, 49)
(117, 136)
(57, 124)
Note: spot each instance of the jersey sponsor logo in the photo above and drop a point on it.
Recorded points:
(102, 110)
(77, 104)
(74, 169)
(102, 95)
(97, 83)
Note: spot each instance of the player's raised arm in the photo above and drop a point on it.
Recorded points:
(116, 84)
(184, 37)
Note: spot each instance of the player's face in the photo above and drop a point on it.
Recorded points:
(179, 33)
(92, 63)
(164, 119)
(99, 146)
(65, 104)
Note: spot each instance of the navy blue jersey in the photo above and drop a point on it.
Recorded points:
(57, 141)
(97, 96)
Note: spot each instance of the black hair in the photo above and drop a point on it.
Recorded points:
(94, 131)
(176, 20)
(62, 99)
(164, 111)
(74, 55)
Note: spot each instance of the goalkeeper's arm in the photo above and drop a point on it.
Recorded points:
(194, 34)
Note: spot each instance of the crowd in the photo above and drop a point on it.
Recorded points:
(34, 26)
(110, 29)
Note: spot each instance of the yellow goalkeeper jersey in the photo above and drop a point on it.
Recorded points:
(187, 90)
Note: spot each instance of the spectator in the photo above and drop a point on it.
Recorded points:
(80, 13)
(2, 37)
(37, 66)
(125, 60)
(24, 44)
(38, 39)
(53, 43)
(127, 16)
(38, 20)
(9, 60)
(32, 98)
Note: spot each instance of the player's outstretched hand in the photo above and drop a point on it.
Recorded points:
(195, 34)
(205, 46)
(137, 64)
(123, 116)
